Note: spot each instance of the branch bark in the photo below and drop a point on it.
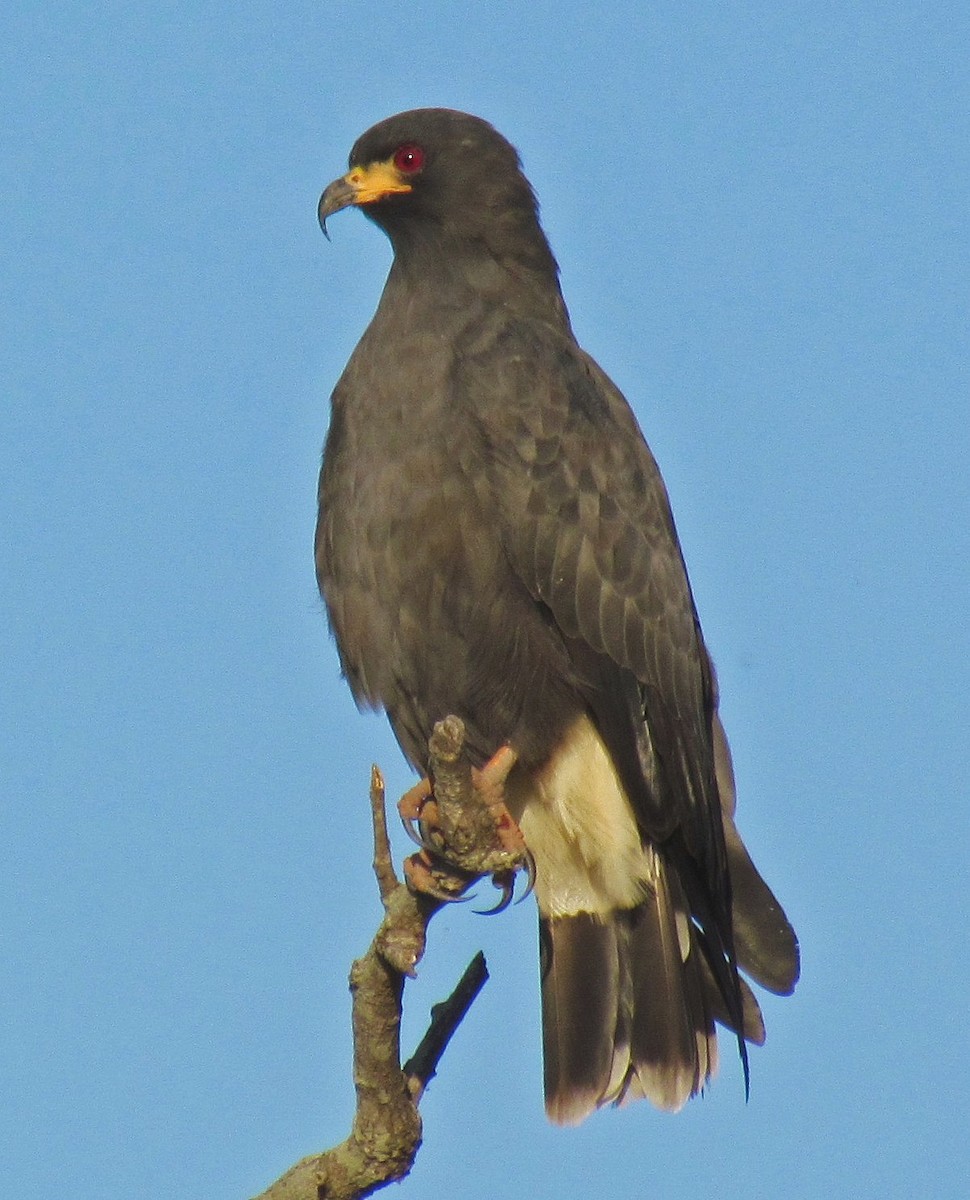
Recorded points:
(386, 1132)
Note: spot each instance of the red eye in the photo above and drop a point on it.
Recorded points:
(409, 158)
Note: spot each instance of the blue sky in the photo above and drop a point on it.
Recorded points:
(761, 218)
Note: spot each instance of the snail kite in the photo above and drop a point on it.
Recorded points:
(495, 541)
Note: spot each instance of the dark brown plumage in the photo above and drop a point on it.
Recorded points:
(495, 541)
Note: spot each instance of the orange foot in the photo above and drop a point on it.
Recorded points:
(489, 782)
(429, 875)
(419, 813)
(433, 871)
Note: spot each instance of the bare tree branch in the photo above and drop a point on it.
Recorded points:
(445, 1019)
(386, 1130)
(387, 880)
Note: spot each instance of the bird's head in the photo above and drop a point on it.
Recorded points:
(436, 175)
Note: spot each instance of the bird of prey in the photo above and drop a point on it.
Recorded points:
(495, 541)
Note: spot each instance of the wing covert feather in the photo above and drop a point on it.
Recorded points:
(586, 522)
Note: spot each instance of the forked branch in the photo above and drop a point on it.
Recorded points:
(386, 1130)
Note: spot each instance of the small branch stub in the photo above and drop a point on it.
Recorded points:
(445, 1019)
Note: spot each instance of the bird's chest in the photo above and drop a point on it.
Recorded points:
(402, 491)
(429, 615)
(408, 562)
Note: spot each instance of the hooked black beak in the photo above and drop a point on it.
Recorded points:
(339, 194)
(362, 185)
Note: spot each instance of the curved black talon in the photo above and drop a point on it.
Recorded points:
(415, 832)
(449, 897)
(508, 891)
(530, 870)
(418, 834)
(412, 832)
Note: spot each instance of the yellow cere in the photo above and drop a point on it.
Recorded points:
(375, 180)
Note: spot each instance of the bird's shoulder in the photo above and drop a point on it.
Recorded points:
(584, 510)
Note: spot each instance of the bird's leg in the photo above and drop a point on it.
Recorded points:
(464, 829)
